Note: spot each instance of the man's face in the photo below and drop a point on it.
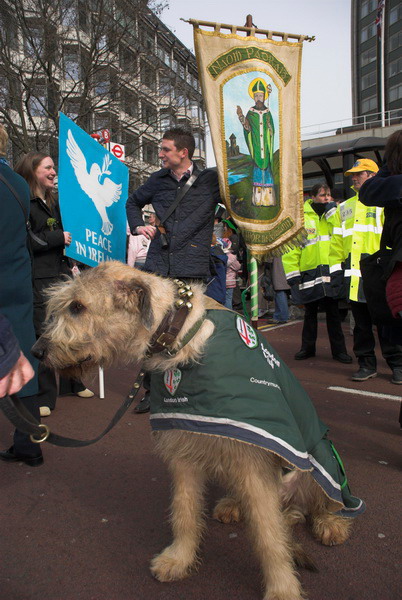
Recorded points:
(322, 197)
(170, 156)
(259, 97)
(359, 178)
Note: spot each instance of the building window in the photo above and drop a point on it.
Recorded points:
(367, 7)
(368, 32)
(395, 41)
(33, 43)
(395, 67)
(148, 75)
(149, 114)
(368, 56)
(395, 14)
(71, 66)
(150, 153)
(37, 101)
(369, 104)
(72, 110)
(369, 80)
(395, 92)
(130, 103)
(127, 59)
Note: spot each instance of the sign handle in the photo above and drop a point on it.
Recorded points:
(101, 383)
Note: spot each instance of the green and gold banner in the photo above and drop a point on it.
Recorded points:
(251, 87)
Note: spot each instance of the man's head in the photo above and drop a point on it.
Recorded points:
(177, 148)
(363, 169)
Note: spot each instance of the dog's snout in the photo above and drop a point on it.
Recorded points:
(39, 349)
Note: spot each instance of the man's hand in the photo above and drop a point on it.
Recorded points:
(67, 238)
(19, 375)
(147, 230)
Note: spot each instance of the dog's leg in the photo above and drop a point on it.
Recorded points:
(330, 529)
(258, 490)
(227, 510)
(176, 561)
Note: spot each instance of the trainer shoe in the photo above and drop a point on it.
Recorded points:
(85, 393)
(364, 374)
(303, 354)
(396, 376)
(343, 358)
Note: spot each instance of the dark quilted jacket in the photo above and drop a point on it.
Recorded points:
(189, 228)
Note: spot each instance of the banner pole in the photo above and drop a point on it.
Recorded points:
(253, 272)
(101, 383)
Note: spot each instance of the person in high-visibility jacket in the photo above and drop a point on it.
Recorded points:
(307, 272)
(356, 234)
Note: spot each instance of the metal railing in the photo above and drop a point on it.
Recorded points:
(363, 122)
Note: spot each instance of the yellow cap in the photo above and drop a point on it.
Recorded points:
(363, 164)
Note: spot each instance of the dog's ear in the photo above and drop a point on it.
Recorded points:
(134, 296)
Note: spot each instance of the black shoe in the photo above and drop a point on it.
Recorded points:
(364, 374)
(343, 358)
(32, 461)
(303, 354)
(143, 405)
(396, 376)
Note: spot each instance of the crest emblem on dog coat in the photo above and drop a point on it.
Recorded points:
(246, 333)
(172, 380)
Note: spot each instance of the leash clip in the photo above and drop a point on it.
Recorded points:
(44, 435)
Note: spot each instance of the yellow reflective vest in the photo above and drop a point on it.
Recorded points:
(356, 234)
(308, 266)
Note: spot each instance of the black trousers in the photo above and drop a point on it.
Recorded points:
(334, 327)
(47, 383)
(364, 340)
(22, 442)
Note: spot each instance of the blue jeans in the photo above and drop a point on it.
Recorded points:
(229, 298)
(281, 306)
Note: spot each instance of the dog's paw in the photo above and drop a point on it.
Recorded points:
(167, 566)
(331, 530)
(227, 510)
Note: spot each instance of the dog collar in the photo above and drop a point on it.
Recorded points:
(172, 323)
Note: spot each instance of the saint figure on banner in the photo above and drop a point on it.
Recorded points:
(258, 126)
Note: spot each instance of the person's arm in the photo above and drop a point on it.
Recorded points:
(15, 369)
(382, 190)
(134, 205)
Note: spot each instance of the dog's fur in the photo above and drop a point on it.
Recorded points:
(109, 314)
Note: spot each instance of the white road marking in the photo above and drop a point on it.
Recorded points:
(363, 393)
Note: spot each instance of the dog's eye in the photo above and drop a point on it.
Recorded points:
(76, 307)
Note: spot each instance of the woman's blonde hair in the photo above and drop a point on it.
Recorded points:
(26, 167)
(3, 140)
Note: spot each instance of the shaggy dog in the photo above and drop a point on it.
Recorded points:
(111, 313)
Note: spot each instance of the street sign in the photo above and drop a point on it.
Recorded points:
(118, 150)
(106, 135)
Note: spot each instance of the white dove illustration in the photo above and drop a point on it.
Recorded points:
(102, 194)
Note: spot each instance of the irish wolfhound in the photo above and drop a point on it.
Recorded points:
(258, 432)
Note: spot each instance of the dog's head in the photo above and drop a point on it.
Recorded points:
(102, 316)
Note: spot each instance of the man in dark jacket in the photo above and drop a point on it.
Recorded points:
(186, 255)
(189, 227)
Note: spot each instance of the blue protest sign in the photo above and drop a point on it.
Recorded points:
(93, 188)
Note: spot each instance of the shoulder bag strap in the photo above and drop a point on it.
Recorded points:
(27, 222)
(181, 192)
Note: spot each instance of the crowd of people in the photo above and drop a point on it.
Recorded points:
(178, 227)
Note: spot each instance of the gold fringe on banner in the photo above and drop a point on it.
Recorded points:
(251, 88)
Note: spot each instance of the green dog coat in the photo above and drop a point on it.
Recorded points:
(242, 390)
